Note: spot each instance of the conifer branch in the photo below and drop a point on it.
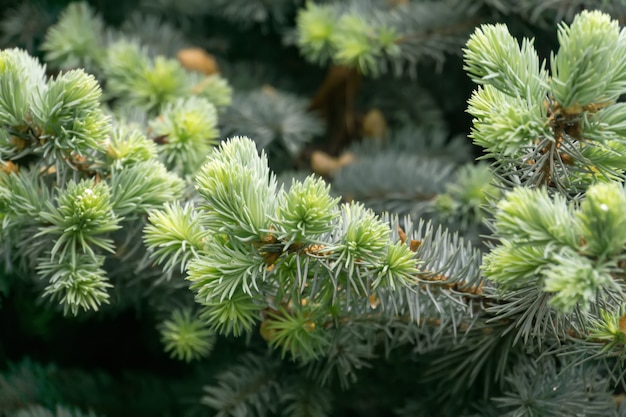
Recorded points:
(376, 38)
(545, 130)
(98, 209)
(290, 257)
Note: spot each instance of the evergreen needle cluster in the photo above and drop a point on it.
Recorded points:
(561, 130)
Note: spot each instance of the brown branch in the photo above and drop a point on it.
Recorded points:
(443, 281)
(334, 100)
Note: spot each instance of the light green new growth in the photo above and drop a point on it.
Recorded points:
(316, 25)
(305, 210)
(188, 128)
(59, 119)
(493, 57)
(214, 88)
(20, 77)
(590, 66)
(603, 220)
(576, 281)
(82, 212)
(294, 260)
(563, 130)
(140, 81)
(22, 199)
(127, 146)
(132, 72)
(295, 333)
(176, 227)
(238, 189)
(561, 134)
(69, 116)
(77, 40)
(142, 187)
(572, 252)
(505, 125)
(69, 180)
(186, 337)
(358, 44)
(362, 238)
(75, 283)
(606, 328)
(378, 37)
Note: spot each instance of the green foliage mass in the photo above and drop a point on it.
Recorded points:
(275, 208)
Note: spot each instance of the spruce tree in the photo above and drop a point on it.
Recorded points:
(312, 208)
